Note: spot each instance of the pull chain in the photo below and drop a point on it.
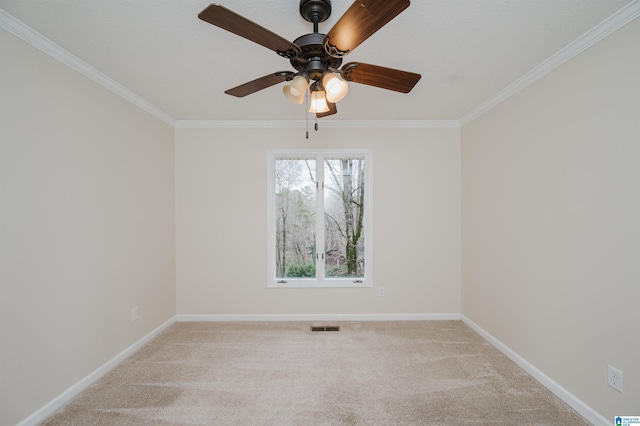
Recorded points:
(306, 95)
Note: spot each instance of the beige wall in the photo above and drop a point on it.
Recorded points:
(221, 222)
(551, 223)
(86, 227)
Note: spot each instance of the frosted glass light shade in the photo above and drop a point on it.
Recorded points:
(295, 91)
(318, 101)
(335, 86)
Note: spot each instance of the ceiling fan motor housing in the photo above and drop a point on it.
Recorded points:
(313, 58)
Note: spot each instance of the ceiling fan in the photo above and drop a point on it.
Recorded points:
(317, 57)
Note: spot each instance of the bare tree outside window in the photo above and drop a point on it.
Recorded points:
(319, 217)
(295, 218)
(344, 212)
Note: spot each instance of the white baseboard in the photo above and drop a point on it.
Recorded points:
(571, 400)
(83, 384)
(317, 317)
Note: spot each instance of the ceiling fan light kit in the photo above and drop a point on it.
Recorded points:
(318, 99)
(295, 91)
(335, 86)
(317, 57)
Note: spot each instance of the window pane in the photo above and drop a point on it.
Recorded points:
(295, 188)
(344, 213)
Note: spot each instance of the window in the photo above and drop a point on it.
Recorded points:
(319, 219)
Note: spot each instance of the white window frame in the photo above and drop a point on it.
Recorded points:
(319, 281)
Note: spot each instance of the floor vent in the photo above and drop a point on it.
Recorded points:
(325, 328)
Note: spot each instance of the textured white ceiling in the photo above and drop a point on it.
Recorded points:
(466, 51)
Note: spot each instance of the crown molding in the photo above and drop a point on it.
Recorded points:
(596, 34)
(24, 32)
(301, 124)
(582, 43)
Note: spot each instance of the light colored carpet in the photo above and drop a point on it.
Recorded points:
(281, 373)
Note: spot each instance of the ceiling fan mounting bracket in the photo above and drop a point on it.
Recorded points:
(332, 50)
(315, 10)
(346, 70)
(288, 75)
(293, 52)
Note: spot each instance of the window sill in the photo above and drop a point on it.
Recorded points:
(320, 284)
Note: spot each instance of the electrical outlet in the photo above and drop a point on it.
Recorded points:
(381, 291)
(614, 378)
(134, 314)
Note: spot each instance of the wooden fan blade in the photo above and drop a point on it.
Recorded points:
(227, 20)
(359, 22)
(385, 78)
(259, 84)
(332, 110)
